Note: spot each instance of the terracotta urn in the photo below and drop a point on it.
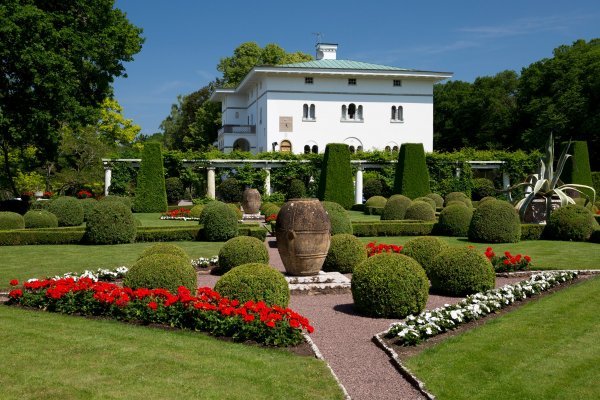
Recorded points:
(251, 201)
(303, 236)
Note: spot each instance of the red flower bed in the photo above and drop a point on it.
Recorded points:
(374, 248)
(272, 217)
(178, 213)
(508, 262)
(206, 311)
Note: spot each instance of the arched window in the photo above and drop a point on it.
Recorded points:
(241, 145)
(395, 149)
(260, 116)
(312, 111)
(352, 150)
(351, 111)
(400, 113)
(315, 149)
(285, 146)
(359, 148)
(344, 111)
(360, 113)
(393, 112)
(305, 111)
(306, 149)
(388, 149)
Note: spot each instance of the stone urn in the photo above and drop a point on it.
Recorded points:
(303, 236)
(536, 212)
(251, 201)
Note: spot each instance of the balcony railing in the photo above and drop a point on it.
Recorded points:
(238, 129)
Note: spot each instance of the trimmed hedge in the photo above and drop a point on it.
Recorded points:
(164, 248)
(345, 252)
(123, 199)
(439, 200)
(335, 183)
(392, 228)
(340, 221)
(35, 219)
(571, 222)
(296, 189)
(11, 220)
(389, 286)
(454, 220)
(421, 211)
(255, 282)
(242, 250)
(532, 231)
(577, 168)
(395, 208)
(460, 271)
(482, 187)
(412, 176)
(458, 196)
(372, 187)
(168, 234)
(237, 210)
(220, 222)
(257, 232)
(174, 189)
(164, 271)
(41, 236)
(427, 200)
(110, 223)
(88, 205)
(150, 192)
(68, 211)
(196, 210)
(495, 222)
(424, 250)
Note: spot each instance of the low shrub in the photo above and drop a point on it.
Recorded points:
(571, 222)
(424, 249)
(122, 199)
(257, 232)
(389, 286)
(236, 209)
(255, 282)
(392, 228)
(338, 216)
(110, 223)
(168, 234)
(40, 219)
(487, 198)
(460, 271)
(220, 222)
(88, 205)
(457, 203)
(68, 211)
(532, 231)
(196, 210)
(164, 271)
(395, 208)
(457, 196)
(11, 220)
(38, 205)
(454, 220)
(41, 236)
(269, 209)
(374, 201)
(495, 222)
(372, 187)
(482, 187)
(164, 248)
(420, 211)
(230, 191)
(242, 250)
(296, 189)
(427, 200)
(345, 253)
(439, 200)
(175, 190)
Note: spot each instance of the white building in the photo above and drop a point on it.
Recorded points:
(303, 106)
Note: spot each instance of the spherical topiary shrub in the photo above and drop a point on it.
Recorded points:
(389, 286)
(122, 199)
(424, 250)
(164, 248)
(161, 271)
(175, 190)
(242, 250)
(255, 282)
(219, 220)
(11, 220)
(269, 209)
(110, 223)
(196, 210)
(395, 208)
(458, 196)
(88, 205)
(456, 203)
(68, 211)
(482, 187)
(571, 222)
(427, 200)
(459, 271)
(374, 201)
(454, 220)
(420, 210)
(439, 200)
(495, 222)
(340, 221)
(236, 209)
(345, 253)
(486, 198)
(40, 219)
(296, 189)
(372, 187)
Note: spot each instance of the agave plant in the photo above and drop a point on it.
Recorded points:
(546, 183)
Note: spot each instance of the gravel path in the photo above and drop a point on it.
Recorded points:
(344, 339)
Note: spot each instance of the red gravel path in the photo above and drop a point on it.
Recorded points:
(344, 339)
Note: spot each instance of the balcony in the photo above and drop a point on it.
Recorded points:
(237, 129)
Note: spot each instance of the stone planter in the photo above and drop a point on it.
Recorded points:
(303, 237)
(536, 212)
(251, 201)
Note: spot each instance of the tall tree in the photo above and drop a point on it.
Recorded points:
(58, 61)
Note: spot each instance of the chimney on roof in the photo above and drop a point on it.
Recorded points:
(326, 51)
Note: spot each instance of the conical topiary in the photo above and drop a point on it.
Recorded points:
(150, 193)
(412, 177)
(335, 183)
(577, 168)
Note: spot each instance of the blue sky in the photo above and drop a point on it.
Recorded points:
(186, 38)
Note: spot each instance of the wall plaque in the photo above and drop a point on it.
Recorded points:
(286, 124)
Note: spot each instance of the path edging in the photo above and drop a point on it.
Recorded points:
(404, 371)
(319, 356)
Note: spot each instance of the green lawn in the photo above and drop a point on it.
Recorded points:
(53, 356)
(153, 219)
(545, 254)
(548, 349)
(24, 262)
(359, 216)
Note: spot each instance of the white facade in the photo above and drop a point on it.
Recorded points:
(308, 105)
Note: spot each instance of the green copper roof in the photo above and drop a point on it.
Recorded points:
(341, 64)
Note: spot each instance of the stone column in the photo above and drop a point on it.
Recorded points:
(358, 186)
(211, 192)
(107, 178)
(268, 181)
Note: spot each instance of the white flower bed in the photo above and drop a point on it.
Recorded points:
(166, 217)
(203, 262)
(415, 329)
(102, 274)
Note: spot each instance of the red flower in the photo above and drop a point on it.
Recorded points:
(153, 305)
(14, 282)
(15, 294)
(270, 324)
(527, 258)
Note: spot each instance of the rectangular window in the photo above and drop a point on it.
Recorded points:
(397, 82)
(308, 80)
(352, 81)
